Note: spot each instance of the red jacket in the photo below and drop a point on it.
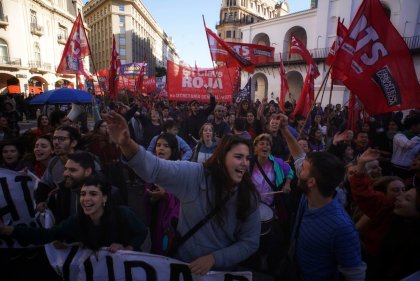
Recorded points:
(377, 207)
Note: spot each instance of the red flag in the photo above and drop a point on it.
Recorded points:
(337, 76)
(255, 53)
(377, 63)
(220, 51)
(306, 99)
(353, 114)
(284, 87)
(297, 47)
(140, 79)
(149, 84)
(113, 75)
(76, 49)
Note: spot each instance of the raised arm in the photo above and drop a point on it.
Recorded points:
(119, 134)
(295, 149)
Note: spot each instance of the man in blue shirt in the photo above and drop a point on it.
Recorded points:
(325, 239)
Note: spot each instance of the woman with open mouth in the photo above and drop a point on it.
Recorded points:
(395, 220)
(97, 224)
(219, 202)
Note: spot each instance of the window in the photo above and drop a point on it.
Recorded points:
(4, 50)
(121, 7)
(228, 34)
(122, 19)
(62, 32)
(37, 53)
(122, 51)
(33, 18)
(122, 28)
(122, 40)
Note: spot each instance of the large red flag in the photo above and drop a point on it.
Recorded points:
(284, 87)
(76, 49)
(140, 79)
(337, 76)
(377, 63)
(113, 69)
(306, 99)
(297, 47)
(220, 51)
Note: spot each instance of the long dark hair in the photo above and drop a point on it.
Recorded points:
(173, 145)
(248, 195)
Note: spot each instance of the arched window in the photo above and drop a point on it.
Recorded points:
(4, 50)
(37, 53)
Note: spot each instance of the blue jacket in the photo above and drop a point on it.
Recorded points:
(182, 145)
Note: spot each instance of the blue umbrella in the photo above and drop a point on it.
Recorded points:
(62, 96)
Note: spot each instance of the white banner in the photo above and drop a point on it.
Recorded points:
(16, 202)
(77, 264)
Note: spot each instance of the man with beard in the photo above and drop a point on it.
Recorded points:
(325, 242)
(64, 201)
(65, 141)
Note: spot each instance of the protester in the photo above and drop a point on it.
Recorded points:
(240, 128)
(206, 145)
(171, 127)
(406, 145)
(325, 239)
(65, 142)
(12, 156)
(12, 117)
(162, 206)
(96, 224)
(394, 251)
(221, 128)
(43, 152)
(270, 175)
(233, 234)
(198, 117)
(43, 126)
(5, 131)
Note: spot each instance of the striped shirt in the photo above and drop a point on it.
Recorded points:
(327, 238)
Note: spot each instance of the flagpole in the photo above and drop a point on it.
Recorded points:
(313, 104)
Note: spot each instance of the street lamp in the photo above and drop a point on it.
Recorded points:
(405, 25)
(317, 39)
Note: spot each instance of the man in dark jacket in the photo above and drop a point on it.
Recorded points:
(198, 117)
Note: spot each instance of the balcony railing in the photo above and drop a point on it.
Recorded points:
(39, 65)
(320, 54)
(37, 29)
(412, 42)
(4, 21)
(10, 61)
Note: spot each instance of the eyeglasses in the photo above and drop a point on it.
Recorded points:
(60, 138)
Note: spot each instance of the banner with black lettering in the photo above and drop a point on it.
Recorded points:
(16, 202)
(186, 84)
(79, 264)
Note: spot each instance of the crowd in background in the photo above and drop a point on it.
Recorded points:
(373, 185)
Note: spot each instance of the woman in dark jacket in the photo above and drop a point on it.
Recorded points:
(96, 225)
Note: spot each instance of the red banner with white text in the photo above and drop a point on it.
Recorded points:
(256, 54)
(377, 62)
(185, 83)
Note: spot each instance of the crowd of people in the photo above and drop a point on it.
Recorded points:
(224, 187)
